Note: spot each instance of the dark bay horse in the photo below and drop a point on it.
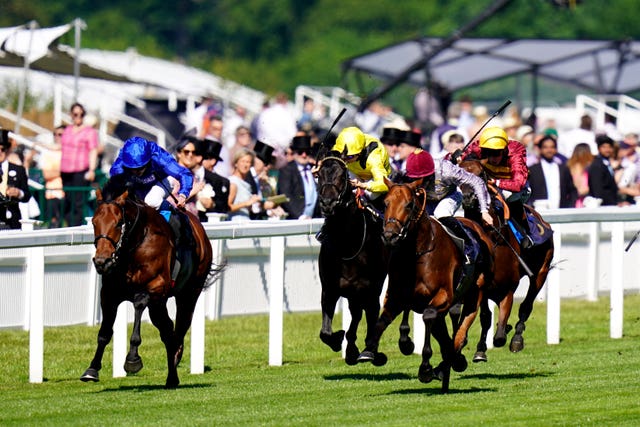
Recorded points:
(135, 253)
(352, 260)
(424, 270)
(509, 270)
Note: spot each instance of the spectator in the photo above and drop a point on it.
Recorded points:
(627, 174)
(453, 140)
(602, 184)
(242, 140)
(550, 181)
(578, 165)
(297, 183)
(14, 185)
(189, 155)
(214, 132)
(54, 195)
(260, 180)
(79, 145)
(584, 133)
(391, 137)
(277, 126)
(241, 201)
(406, 146)
(220, 185)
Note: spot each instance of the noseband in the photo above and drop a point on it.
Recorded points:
(415, 214)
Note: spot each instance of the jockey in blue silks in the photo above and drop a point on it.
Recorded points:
(144, 168)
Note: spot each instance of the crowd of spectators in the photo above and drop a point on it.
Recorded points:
(260, 167)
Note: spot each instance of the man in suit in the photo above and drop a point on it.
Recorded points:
(297, 182)
(14, 185)
(602, 183)
(210, 150)
(549, 179)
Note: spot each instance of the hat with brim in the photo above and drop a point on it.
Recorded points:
(393, 136)
(211, 149)
(264, 152)
(412, 138)
(301, 143)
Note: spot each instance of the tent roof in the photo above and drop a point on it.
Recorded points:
(601, 66)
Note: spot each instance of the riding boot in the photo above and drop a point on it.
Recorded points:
(321, 235)
(519, 223)
(466, 280)
(174, 222)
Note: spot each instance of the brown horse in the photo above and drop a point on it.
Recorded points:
(352, 260)
(513, 265)
(135, 254)
(424, 270)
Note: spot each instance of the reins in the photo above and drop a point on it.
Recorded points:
(123, 232)
(404, 228)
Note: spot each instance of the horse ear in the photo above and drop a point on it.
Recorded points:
(343, 155)
(388, 182)
(98, 195)
(417, 183)
(122, 198)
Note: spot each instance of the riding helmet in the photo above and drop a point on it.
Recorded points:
(420, 164)
(352, 138)
(136, 152)
(494, 138)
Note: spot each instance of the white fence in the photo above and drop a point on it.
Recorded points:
(272, 268)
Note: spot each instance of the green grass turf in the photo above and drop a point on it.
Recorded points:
(588, 379)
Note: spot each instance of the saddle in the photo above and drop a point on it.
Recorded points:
(539, 231)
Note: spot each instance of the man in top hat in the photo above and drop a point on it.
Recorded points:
(391, 138)
(14, 185)
(260, 182)
(297, 182)
(210, 151)
(406, 146)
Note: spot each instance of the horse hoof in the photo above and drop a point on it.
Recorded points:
(133, 366)
(352, 356)
(517, 344)
(480, 356)
(90, 375)
(172, 383)
(406, 347)
(425, 374)
(334, 341)
(366, 356)
(460, 363)
(499, 341)
(380, 359)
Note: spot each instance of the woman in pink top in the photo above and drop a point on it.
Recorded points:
(79, 146)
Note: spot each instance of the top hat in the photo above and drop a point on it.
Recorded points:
(412, 138)
(4, 138)
(301, 143)
(210, 149)
(263, 152)
(393, 136)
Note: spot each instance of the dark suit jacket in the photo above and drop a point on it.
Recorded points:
(221, 186)
(290, 184)
(538, 183)
(601, 182)
(17, 177)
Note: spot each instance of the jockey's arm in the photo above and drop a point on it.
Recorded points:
(376, 166)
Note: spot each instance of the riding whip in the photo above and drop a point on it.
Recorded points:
(633, 239)
(335, 122)
(520, 260)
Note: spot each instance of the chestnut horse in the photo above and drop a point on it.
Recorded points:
(352, 260)
(135, 253)
(509, 270)
(424, 270)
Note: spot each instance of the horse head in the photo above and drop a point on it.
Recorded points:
(109, 229)
(334, 188)
(405, 204)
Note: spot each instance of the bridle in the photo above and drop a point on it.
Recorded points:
(343, 200)
(414, 216)
(124, 228)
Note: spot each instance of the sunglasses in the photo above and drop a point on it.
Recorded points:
(301, 152)
(488, 152)
(187, 152)
(77, 114)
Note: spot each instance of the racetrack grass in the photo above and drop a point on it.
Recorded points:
(588, 379)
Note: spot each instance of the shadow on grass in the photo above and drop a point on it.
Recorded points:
(151, 387)
(512, 376)
(369, 377)
(435, 390)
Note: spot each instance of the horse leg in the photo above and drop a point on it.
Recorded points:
(526, 307)
(425, 371)
(372, 341)
(352, 353)
(109, 310)
(185, 305)
(485, 325)
(161, 320)
(441, 334)
(500, 337)
(133, 362)
(332, 339)
(404, 343)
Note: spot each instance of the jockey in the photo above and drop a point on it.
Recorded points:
(506, 164)
(367, 161)
(441, 180)
(145, 168)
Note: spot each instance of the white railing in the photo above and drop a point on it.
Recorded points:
(36, 241)
(625, 109)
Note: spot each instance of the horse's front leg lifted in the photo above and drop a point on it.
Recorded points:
(327, 336)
